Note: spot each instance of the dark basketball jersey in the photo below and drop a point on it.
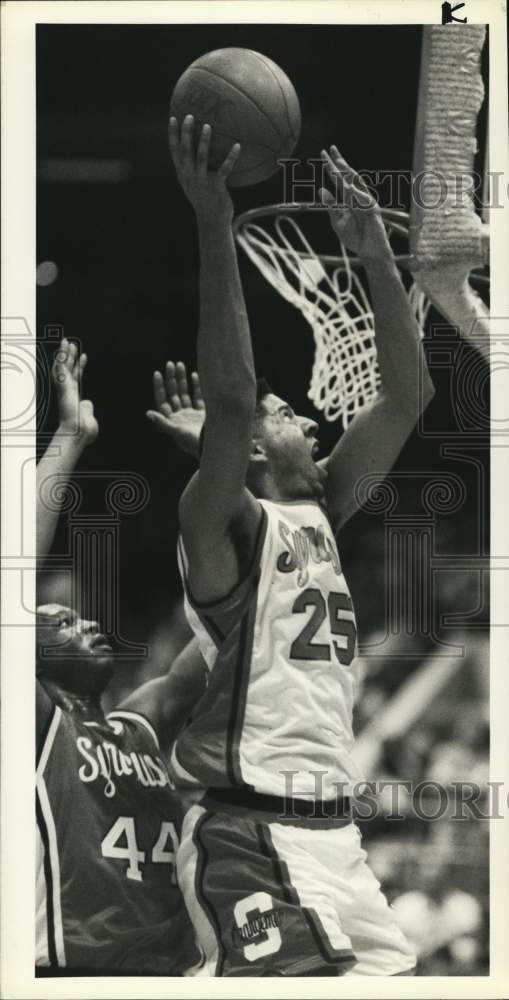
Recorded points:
(108, 825)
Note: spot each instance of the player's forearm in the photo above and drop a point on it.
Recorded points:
(168, 701)
(225, 356)
(401, 358)
(54, 470)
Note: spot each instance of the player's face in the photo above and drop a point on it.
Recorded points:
(71, 651)
(291, 447)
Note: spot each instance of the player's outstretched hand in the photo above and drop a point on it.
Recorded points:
(206, 189)
(354, 213)
(76, 415)
(179, 411)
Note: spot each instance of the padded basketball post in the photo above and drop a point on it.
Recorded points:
(443, 221)
(447, 237)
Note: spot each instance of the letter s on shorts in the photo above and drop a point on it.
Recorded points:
(247, 910)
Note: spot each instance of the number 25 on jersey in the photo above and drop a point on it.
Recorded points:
(303, 647)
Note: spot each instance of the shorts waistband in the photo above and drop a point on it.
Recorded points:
(275, 808)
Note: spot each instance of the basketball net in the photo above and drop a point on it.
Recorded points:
(330, 295)
(445, 235)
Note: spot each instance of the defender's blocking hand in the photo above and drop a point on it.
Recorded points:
(354, 213)
(206, 189)
(179, 411)
(76, 415)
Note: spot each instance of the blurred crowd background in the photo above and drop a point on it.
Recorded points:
(123, 283)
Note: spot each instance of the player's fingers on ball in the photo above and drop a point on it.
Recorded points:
(173, 133)
(202, 153)
(228, 164)
(174, 140)
(186, 138)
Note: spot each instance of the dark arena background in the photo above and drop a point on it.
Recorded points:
(112, 218)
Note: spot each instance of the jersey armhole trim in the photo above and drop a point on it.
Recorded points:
(136, 717)
(48, 740)
(219, 604)
(178, 770)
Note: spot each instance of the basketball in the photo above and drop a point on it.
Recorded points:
(246, 98)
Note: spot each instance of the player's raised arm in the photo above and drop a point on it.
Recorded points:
(376, 435)
(77, 428)
(167, 701)
(216, 498)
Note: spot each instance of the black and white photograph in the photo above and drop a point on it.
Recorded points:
(255, 436)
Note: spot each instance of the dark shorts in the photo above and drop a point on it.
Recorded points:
(270, 899)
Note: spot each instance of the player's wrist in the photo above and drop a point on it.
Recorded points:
(75, 436)
(214, 222)
(378, 259)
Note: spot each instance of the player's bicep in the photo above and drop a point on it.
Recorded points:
(219, 518)
(220, 484)
(370, 445)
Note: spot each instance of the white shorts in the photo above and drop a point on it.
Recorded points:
(268, 898)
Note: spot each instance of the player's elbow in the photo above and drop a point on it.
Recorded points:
(236, 400)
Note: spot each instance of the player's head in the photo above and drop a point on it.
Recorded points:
(285, 448)
(71, 652)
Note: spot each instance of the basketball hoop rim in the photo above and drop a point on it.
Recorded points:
(396, 219)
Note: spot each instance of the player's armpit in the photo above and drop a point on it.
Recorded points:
(168, 701)
(371, 444)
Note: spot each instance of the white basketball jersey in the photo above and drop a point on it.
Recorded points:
(277, 713)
